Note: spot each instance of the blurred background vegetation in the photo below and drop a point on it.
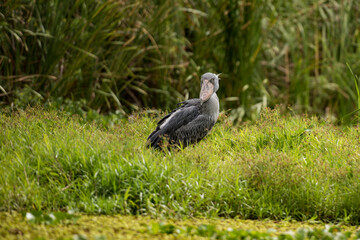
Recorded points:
(119, 56)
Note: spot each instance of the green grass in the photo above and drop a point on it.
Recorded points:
(125, 55)
(277, 167)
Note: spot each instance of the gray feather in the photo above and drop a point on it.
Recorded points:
(189, 123)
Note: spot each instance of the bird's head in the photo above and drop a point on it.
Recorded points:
(209, 85)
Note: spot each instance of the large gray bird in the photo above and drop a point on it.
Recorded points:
(192, 121)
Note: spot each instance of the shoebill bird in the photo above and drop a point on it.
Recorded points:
(192, 120)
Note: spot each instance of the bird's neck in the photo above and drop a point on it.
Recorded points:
(211, 107)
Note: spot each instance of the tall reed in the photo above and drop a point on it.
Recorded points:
(125, 55)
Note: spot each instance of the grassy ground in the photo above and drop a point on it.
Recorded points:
(277, 168)
(14, 226)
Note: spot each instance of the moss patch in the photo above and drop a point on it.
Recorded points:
(14, 226)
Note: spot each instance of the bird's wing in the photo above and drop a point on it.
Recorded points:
(193, 132)
(181, 116)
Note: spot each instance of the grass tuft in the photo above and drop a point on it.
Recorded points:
(280, 167)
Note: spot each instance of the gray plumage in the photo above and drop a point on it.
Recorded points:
(192, 120)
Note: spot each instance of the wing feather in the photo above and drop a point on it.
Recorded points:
(192, 132)
(181, 116)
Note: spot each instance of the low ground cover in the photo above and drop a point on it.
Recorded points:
(279, 167)
(14, 226)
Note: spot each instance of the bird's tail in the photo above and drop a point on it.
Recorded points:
(155, 139)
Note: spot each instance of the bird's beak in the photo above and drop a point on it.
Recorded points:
(207, 89)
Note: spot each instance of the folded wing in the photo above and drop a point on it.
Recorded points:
(183, 126)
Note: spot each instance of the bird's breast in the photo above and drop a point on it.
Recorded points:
(212, 107)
